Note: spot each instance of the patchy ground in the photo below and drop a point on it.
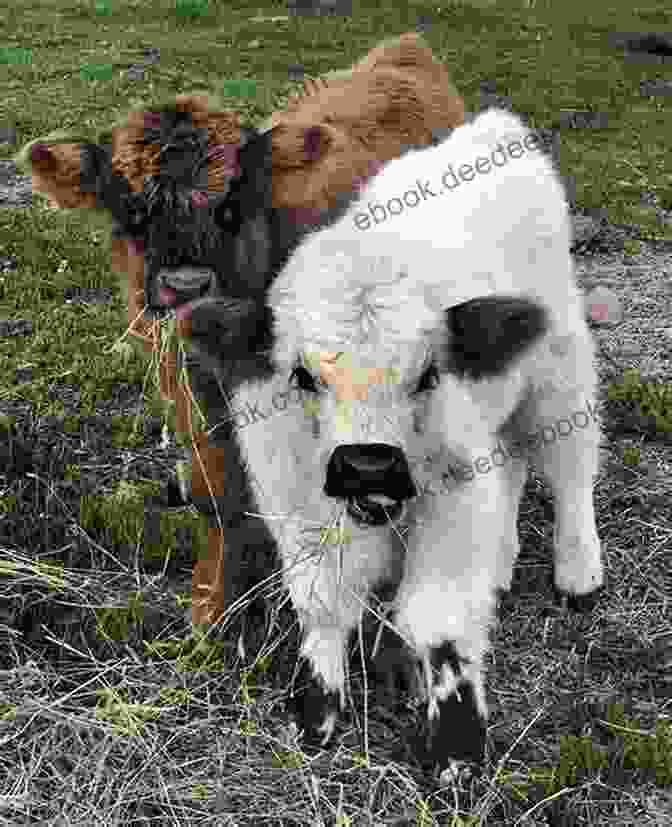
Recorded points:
(565, 671)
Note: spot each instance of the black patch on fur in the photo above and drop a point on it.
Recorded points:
(459, 731)
(309, 705)
(488, 333)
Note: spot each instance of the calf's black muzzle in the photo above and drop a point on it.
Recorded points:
(374, 480)
(175, 287)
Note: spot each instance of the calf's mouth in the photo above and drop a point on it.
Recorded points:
(375, 510)
(178, 289)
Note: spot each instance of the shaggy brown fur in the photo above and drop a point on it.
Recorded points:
(397, 96)
(134, 159)
(334, 133)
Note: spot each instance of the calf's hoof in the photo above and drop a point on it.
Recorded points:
(457, 730)
(583, 603)
(395, 670)
(314, 710)
(459, 773)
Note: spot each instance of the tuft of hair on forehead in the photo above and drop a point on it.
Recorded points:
(134, 157)
(328, 298)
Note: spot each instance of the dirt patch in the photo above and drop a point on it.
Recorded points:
(15, 189)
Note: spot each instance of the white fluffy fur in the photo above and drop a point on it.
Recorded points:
(379, 295)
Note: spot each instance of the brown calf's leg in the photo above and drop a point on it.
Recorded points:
(208, 592)
(208, 585)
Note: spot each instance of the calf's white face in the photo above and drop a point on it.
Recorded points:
(367, 385)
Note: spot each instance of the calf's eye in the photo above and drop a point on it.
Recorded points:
(303, 379)
(429, 379)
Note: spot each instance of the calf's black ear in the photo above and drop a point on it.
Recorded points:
(96, 166)
(255, 157)
(112, 191)
(487, 334)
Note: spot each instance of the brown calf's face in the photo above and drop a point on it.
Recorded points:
(195, 241)
(194, 224)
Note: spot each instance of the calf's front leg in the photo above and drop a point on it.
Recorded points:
(446, 603)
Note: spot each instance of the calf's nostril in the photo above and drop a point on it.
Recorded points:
(367, 464)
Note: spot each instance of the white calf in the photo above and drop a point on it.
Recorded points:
(439, 333)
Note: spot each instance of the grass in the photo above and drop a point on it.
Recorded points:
(107, 714)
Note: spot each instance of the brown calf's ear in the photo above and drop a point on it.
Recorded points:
(55, 169)
(316, 142)
(296, 145)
